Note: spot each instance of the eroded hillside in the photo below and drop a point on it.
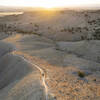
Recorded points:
(66, 47)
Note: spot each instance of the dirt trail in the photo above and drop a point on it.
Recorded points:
(43, 74)
(60, 82)
(28, 59)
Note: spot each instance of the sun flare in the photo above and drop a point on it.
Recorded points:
(48, 3)
(47, 6)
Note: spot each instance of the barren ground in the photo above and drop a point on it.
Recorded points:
(62, 45)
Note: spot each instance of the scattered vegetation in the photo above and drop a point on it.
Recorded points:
(96, 35)
(81, 74)
(9, 29)
(75, 29)
(28, 32)
(49, 28)
(98, 59)
(94, 79)
(36, 25)
(86, 15)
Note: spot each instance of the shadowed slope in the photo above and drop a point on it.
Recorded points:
(19, 80)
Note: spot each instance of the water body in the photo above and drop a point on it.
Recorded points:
(2, 14)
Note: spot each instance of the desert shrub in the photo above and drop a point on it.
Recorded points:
(48, 27)
(36, 25)
(64, 30)
(98, 59)
(86, 15)
(84, 38)
(35, 29)
(27, 32)
(36, 33)
(86, 28)
(96, 35)
(94, 79)
(81, 74)
(68, 30)
(31, 23)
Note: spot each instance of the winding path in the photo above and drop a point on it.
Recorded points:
(42, 73)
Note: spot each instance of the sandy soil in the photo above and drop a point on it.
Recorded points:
(66, 85)
(70, 64)
(19, 80)
(57, 25)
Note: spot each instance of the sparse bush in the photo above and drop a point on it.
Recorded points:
(98, 59)
(35, 29)
(94, 79)
(68, 30)
(81, 74)
(64, 30)
(86, 15)
(36, 25)
(28, 32)
(48, 27)
(96, 35)
(84, 38)
(31, 23)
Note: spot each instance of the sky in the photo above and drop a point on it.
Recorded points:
(49, 3)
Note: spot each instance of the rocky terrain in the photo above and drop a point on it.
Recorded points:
(65, 46)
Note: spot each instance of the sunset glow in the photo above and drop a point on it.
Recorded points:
(48, 3)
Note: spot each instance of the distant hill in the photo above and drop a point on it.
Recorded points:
(10, 9)
(13, 9)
